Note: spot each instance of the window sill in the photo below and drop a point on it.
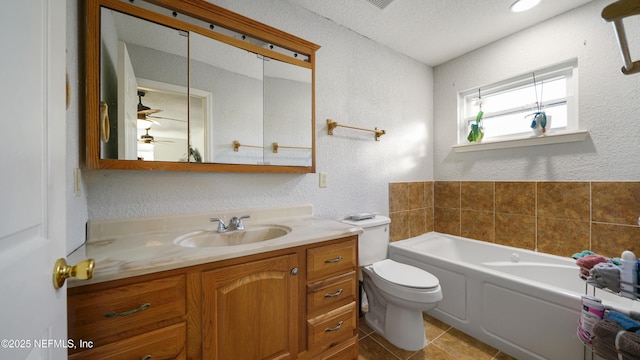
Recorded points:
(553, 138)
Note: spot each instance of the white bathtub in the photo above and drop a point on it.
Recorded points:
(522, 302)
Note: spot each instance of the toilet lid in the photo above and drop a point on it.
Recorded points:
(404, 275)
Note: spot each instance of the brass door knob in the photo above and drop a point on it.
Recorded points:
(61, 271)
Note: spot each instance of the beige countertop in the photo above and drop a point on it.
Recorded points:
(131, 247)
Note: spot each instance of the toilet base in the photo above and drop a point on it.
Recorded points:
(402, 327)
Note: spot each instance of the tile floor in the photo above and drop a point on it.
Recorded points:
(445, 343)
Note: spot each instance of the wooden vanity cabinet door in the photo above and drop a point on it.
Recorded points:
(250, 310)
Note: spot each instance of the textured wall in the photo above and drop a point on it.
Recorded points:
(359, 83)
(608, 103)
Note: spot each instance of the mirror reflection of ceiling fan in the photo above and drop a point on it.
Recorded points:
(146, 138)
(146, 116)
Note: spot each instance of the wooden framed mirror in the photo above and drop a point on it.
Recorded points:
(185, 85)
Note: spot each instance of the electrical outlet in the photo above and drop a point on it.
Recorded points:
(323, 180)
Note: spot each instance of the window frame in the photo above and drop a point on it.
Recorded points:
(568, 69)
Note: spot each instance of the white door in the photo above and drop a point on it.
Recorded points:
(127, 106)
(32, 178)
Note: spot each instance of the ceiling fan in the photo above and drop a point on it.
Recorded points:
(146, 138)
(143, 113)
(142, 109)
(145, 116)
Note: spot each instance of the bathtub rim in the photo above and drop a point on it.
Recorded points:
(609, 298)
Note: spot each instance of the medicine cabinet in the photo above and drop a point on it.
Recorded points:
(186, 85)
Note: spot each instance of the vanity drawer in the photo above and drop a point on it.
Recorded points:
(165, 343)
(332, 328)
(111, 314)
(332, 259)
(327, 294)
(345, 351)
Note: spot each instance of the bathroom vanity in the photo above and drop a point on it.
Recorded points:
(292, 297)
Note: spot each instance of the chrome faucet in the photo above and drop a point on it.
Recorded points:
(234, 224)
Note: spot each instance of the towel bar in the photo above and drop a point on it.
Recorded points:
(615, 13)
(332, 125)
(276, 147)
(236, 146)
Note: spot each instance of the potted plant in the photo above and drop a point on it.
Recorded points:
(541, 122)
(476, 133)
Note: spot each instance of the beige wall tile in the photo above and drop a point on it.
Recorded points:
(428, 194)
(447, 220)
(562, 237)
(429, 221)
(446, 194)
(416, 195)
(516, 198)
(417, 222)
(564, 200)
(611, 240)
(477, 195)
(516, 230)
(399, 227)
(477, 225)
(554, 217)
(398, 197)
(616, 202)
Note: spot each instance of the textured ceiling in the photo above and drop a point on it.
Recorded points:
(435, 31)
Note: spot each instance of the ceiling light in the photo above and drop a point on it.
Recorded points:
(523, 5)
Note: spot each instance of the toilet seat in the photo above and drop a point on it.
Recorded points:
(405, 275)
(390, 277)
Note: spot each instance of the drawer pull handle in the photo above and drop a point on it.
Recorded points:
(338, 259)
(129, 312)
(338, 293)
(146, 357)
(337, 327)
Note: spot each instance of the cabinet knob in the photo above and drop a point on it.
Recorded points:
(294, 271)
(61, 271)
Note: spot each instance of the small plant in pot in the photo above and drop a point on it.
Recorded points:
(541, 122)
(476, 133)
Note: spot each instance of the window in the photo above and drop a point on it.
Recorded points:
(508, 106)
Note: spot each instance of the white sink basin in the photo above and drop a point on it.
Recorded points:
(212, 238)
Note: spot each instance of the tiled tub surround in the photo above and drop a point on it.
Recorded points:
(558, 218)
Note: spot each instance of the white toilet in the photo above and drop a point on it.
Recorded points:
(397, 293)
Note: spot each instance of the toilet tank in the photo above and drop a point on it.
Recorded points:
(374, 241)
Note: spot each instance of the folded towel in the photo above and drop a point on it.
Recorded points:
(607, 275)
(625, 322)
(605, 348)
(610, 339)
(635, 315)
(582, 254)
(628, 345)
(588, 262)
(606, 330)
